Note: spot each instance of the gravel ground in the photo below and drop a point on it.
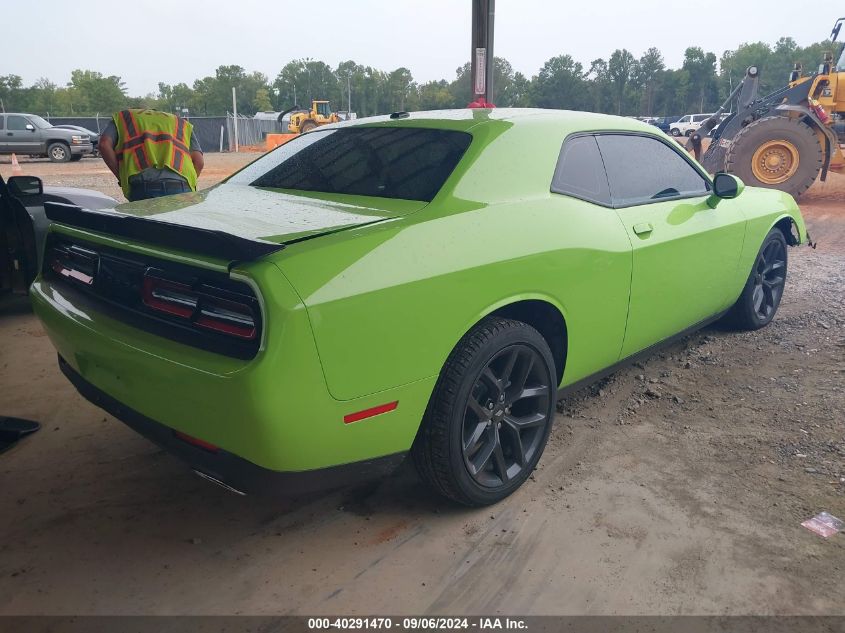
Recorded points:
(676, 486)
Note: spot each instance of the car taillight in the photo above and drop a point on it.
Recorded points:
(73, 262)
(169, 296)
(203, 307)
(228, 317)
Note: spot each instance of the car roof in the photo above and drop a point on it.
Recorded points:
(466, 118)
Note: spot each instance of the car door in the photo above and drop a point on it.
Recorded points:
(593, 266)
(21, 135)
(685, 254)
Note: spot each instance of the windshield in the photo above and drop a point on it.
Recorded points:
(387, 162)
(840, 65)
(38, 122)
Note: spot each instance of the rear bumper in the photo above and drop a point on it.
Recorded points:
(235, 472)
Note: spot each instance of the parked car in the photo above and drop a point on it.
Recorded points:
(94, 136)
(403, 284)
(688, 124)
(31, 135)
(664, 122)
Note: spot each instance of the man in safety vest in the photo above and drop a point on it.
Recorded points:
(152, 153)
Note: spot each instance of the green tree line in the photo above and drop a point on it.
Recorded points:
(621, 84)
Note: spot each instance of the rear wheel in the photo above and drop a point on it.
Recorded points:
(688, 133)
(763, 290)
(776, 152)
(58, 153)
(490, 415)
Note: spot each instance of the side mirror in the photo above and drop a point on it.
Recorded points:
(725, 187)
(25, 186)
(30, 127)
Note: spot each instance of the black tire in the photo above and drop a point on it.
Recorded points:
(741, 152)
(490, 363)
(688, 133)
(675, 131)
(307, 126)
(761, 295)
(75, 157)
(58, 153)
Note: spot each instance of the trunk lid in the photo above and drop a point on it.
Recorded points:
(266, 214)
(238, 222)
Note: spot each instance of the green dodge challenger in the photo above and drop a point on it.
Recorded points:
(425, 283)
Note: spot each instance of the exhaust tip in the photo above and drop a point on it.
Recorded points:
(222, 484)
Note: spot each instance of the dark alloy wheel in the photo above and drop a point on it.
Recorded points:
(505, 416)
(769, 279)
(763, 290)
(490, 415)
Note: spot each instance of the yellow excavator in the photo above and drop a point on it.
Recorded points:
(783, 140)
(302, 120)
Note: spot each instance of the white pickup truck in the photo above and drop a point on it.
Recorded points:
(688, 124)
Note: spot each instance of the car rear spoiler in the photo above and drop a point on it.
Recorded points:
(177, 236)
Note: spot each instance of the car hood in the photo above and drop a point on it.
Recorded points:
(269, 215)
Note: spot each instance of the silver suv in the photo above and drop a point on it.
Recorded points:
(29, 134)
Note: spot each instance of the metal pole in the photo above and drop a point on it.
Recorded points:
(235, 116)
(491, 14)
(481, 54)
(348, 94)
(221, 139)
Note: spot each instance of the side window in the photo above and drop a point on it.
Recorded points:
(684, 119)
(580, 171)
(2, 121)
(16, 122)
(641, 169)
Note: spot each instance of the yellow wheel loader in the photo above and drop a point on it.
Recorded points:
(302, 120)
(783, 140)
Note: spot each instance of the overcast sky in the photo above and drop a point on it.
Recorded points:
(188, 39)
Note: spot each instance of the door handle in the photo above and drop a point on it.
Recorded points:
(643, 228)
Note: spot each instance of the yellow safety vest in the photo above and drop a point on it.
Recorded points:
(149, 138)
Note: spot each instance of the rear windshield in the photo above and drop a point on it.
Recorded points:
(387, 162)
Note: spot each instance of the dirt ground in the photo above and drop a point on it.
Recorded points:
(676, 486)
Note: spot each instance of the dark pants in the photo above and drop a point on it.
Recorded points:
(144, 190)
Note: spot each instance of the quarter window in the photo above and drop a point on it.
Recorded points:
(641, 169)
(16, 123)
(580, 171)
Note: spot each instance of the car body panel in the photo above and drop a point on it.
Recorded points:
(366, 310)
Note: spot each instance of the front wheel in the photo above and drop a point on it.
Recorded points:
(776, 152)
(58, 153)
(763, 290)
(675, 131)
(490, 414)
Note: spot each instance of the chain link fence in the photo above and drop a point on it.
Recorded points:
(214, 133)
(250, 131)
